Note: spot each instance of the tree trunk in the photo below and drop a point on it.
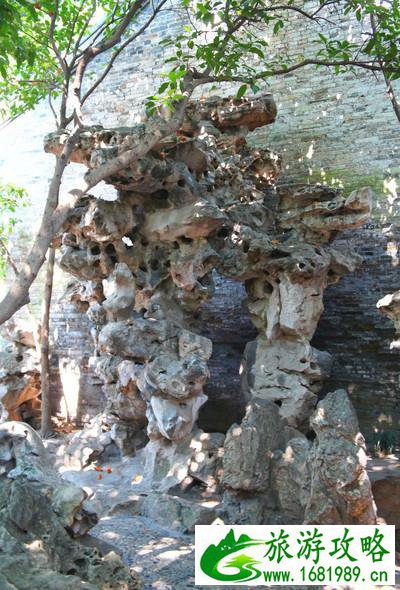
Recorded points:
(44, 347)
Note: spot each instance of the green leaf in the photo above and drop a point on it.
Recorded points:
(278, 26)
(163, 87)
(242, 91)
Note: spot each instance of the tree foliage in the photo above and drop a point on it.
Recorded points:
(12, 199)
(43, 43)
(232, 40)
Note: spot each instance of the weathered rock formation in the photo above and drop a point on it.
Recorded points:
(40, 516)
(201, 203)
(273, 473)
(340, 488)
(19, 374)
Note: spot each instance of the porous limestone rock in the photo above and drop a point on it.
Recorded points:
(106, 221)
(105, 436)
(288, 372)
(173, 419)
(340, 491)
(203, 202)
(195, 458)
(39, 516)
(119, 291)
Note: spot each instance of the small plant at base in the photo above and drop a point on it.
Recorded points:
(385, 442)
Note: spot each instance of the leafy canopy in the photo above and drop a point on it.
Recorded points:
(231, 40)
(33, 47)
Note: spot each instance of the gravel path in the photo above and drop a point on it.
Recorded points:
(165, 561)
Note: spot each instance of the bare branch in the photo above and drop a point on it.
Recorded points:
(9, 258)
(53, 109)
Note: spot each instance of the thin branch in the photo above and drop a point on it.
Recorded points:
(115, 38)
(52, 108)
(93, 51)
(389, 86)
(97, 32)
(207, 79)
(84, 28)
(8, 256)
(72, 29)
(120, 49)
(61, 60)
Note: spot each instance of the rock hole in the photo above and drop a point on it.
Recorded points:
(223, 232)
(268, 288)
(95, 250)
(154, 264)
(279, 254)
(110, 249)
(161, 194)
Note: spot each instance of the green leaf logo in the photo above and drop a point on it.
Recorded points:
(211, 559)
